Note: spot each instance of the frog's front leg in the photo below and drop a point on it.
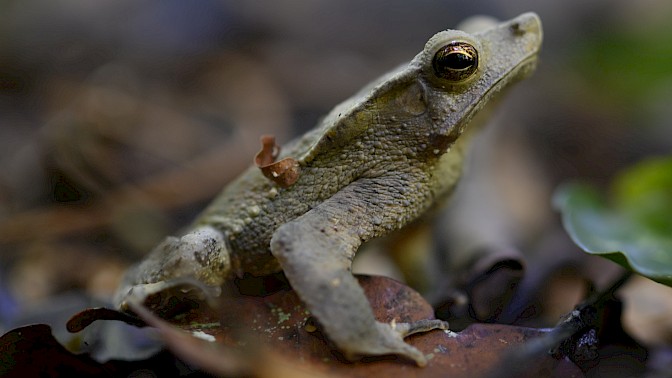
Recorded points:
(316, 252)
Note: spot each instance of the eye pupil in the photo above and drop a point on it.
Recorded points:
(456, 61)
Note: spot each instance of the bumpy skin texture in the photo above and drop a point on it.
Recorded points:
(376, 162)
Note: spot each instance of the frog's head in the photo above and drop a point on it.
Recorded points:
(199, 258)
(460, 72)
(421, 108)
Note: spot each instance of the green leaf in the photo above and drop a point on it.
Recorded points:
(635, 228)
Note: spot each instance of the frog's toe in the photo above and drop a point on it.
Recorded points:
(424, 325)
(392, 337)
(387, 340)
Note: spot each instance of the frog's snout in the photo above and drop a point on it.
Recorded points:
(529, 25)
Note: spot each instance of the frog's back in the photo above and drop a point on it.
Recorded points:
(395, 136)
(252, 207)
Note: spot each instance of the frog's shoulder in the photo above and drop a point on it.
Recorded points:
(350, 118)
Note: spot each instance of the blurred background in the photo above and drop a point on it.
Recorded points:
(120, 119)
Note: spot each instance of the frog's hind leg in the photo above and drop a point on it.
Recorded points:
(316, 252)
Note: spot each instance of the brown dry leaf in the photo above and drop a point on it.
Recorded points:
(84, 318)
(275, 335)
(284, 172)
(197, 347)
(281, 321)
(32, 351)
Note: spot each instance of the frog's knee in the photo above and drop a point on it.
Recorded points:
(201, 254)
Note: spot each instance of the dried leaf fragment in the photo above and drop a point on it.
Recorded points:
(84, 318)
(284, 172)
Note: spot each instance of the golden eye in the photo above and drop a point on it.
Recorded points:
(456, 61)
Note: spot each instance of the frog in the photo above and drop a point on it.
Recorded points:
(375, 163)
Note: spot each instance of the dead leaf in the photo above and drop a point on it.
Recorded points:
(32, 351)
(84, 318)
(274, 335)
(196, 347)
(284, 172)
(283, 323)
(278, 328)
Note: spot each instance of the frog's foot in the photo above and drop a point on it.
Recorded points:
(425, 325)
(389, 339)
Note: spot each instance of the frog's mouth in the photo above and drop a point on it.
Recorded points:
(517, 73)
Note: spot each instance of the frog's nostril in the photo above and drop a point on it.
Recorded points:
(527, 27)
(515, 27)
(526, 23)
(519, 29)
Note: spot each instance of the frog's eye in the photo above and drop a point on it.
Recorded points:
(456, 61)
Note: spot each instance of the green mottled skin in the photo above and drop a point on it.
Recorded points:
(375, 163)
